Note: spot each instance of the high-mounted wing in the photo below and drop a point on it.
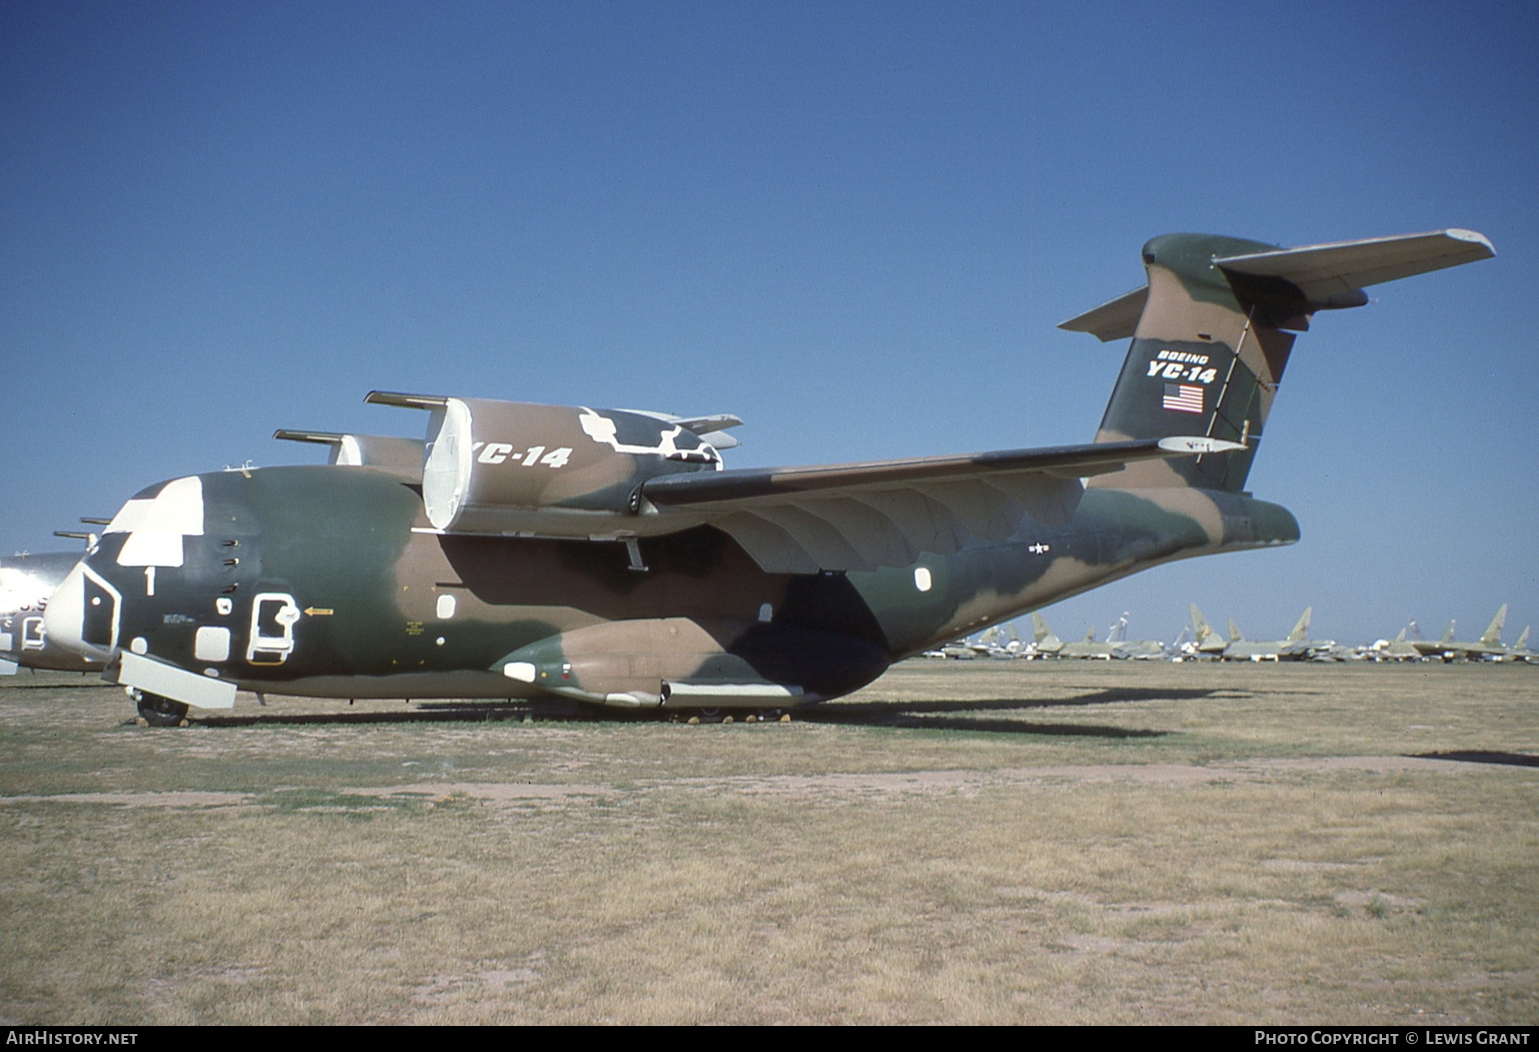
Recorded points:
(515, 469)
(885, 513)
(711, 429)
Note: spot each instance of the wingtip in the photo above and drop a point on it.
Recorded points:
(1473, 238)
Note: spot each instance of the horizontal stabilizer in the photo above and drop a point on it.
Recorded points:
(1329, 274)
(1114, 320)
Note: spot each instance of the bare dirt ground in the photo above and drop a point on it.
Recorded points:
(960, 842)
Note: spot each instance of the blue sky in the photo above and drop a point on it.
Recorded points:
(854, 225)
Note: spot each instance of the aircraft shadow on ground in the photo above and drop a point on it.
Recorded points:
(1514, 759)
(952, 715)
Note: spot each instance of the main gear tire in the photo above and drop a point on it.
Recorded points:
(160, 711)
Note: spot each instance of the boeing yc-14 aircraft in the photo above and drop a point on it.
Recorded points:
(610, 556)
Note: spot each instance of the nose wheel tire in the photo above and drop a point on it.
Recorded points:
(159, 711)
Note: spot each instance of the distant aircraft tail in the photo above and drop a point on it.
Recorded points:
(1042, 635)
(1203, 636)
(1301, 626)
(1212, 330)
(1492, 637)
(1118, 633)
(1235, 635)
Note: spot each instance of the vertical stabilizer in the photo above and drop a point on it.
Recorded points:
(1118, 633)
(1043, 636)
(1203, 637)
(1301, 626)
(1492, 636)
(1212, 331)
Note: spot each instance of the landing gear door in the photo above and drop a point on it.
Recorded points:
(273, 615)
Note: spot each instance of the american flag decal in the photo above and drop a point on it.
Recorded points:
(1183, 398)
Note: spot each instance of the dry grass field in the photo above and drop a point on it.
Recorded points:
(961, 842)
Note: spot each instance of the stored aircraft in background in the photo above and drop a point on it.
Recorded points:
(1087, 648)
(1205, 643)
(1116, 647)
(1519, 651)
(1487, 647)
(608, 555)
(1397, 649)
(1043, 642)
(26, 583)
(1295, 647)
(1133, 649)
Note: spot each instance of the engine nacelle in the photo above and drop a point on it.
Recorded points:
(541, 470)
(403, 456)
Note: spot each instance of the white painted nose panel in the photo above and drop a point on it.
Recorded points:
(83, 613)
(65, 615)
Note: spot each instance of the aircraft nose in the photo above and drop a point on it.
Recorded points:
(65, 616)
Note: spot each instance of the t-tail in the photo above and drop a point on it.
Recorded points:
(1212, 330)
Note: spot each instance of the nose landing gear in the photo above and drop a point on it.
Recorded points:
(159, 711)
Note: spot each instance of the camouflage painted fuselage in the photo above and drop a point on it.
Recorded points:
(379, 604)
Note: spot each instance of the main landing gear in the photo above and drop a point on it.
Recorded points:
(693, 716)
